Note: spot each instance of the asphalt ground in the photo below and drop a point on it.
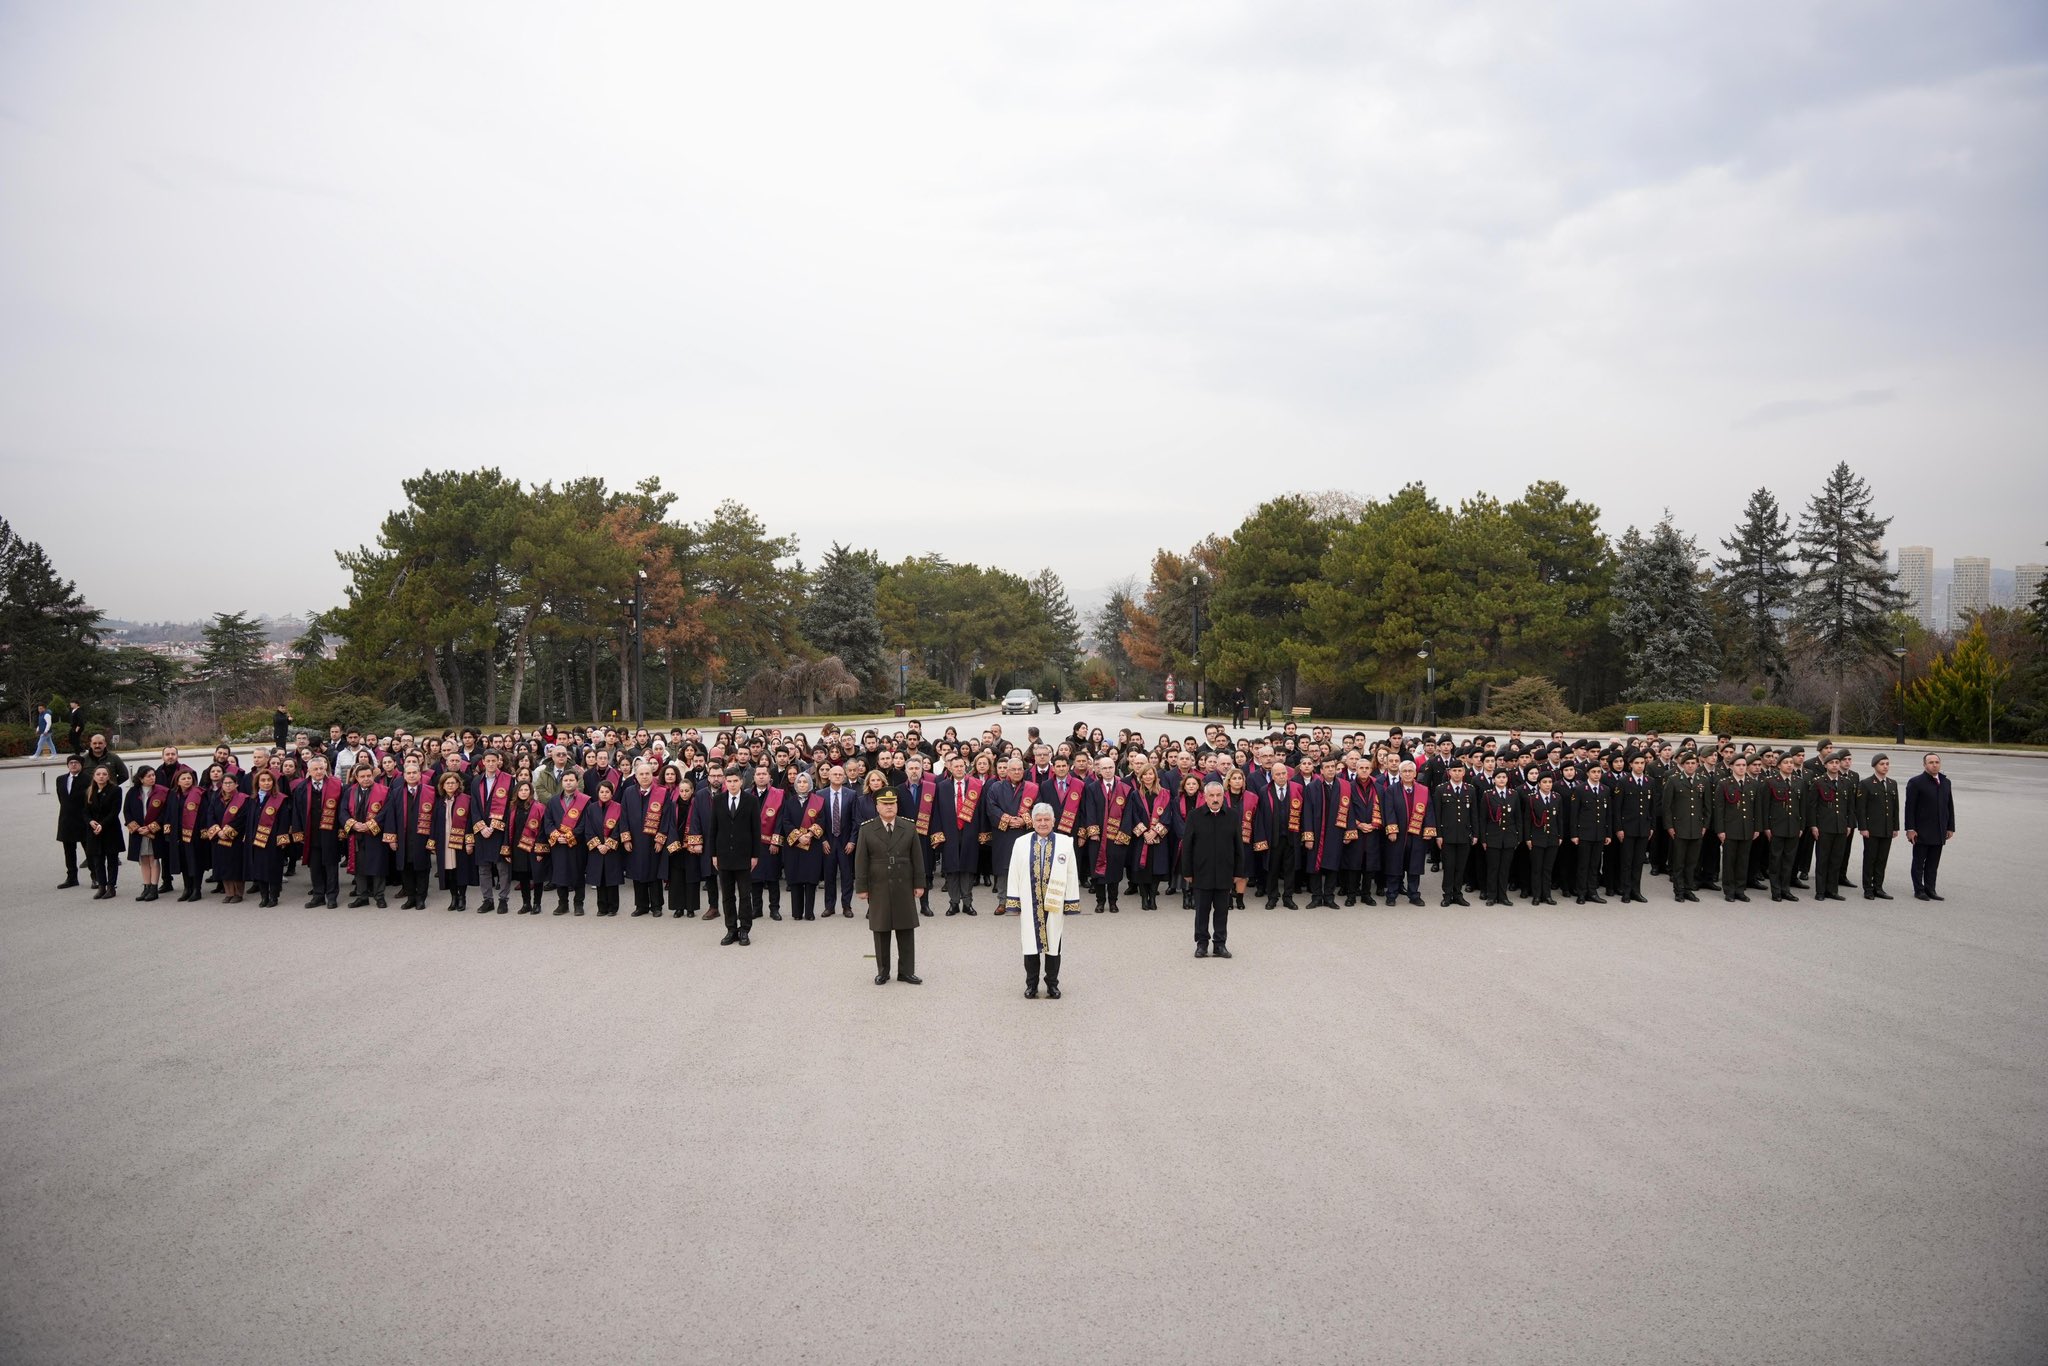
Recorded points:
(1664, 1134)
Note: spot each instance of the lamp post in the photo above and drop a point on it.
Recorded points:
(1428, 658)
(1899, 651)
(639, 677)
(1195, 623)
(903, 677)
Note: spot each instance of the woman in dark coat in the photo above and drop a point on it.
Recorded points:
(604, 853)
(1183, 805)
(803, 855)
(266, 825)
(451, 846)
(526, 841)
(186, 811)
(146, 816)
(686, 844)
(103, 831)
(225, 808)
(565, 845)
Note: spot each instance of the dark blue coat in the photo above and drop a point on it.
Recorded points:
(1930, 806)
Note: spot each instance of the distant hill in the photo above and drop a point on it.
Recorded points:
(279, 629)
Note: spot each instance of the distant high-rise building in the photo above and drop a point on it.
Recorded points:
(1916, 581)
(1970, 593)
(2026, 581)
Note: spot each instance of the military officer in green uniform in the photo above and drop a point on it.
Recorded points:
(1735, 827)
(1828, 813)
(1877, 817)
(1783, 820)
(1686, 821)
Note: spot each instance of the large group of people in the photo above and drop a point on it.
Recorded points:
(739, 825)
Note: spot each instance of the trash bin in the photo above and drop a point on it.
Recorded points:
(1628, 723)
(902, 710)
(724, 718)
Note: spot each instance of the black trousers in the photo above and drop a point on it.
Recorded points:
(1589, 868)
(1052, 968)
(1455, 857)
(1784, 851)
(71, 848)
(1804, 859)
(1926, 862)
(906, 953)
(1633, 849)
(1685, 865)
(105, 865)
(1542, 864)
(324, 870)
(1498, 861)
(736, 893)
(1280, 862)
(1212, 916)
(1829, 849)
(682, 891)
(1877, 851)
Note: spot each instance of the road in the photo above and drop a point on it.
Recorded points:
(1701, 1133)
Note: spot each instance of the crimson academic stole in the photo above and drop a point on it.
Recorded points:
(965, 815)
(529, 831)
(425, 825)
(927, 794)
(458, 822)
(330, 801)
(266, 819)
(1250, 807)
(650, 825)
(1294, 808)
(771, 807)
(1027, 797)
(611, 818)
(500, 798)
(572, 814)
(153, 806)
(813, 804)
(227, 820)
(1112, 827)
(1070, 807)
(188, 814)
(1418, 810)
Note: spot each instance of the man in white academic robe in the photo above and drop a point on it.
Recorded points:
(1044, 884)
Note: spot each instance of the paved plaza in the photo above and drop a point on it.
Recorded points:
(1656, 1134)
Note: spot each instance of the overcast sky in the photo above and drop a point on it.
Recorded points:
(1020, 283)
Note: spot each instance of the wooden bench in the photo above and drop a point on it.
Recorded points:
(1296, 713)
(733, 716)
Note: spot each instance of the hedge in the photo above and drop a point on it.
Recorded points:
(1683, 718)
(17, 739)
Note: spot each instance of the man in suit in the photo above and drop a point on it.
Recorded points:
(1930, 823)
(1457, 825)
(888, 874)
(1500, 817)
(735, 849)
(1735, 821)
(1780, 819)
(1410, 827)
(1829, 817)
(836, 818)
(1212, 859)
(1635, 821)
(1686, 819)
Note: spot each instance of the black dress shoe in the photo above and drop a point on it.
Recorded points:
(379, 902)
(1412, 901)
(745, 942)
(1221, 952)
(730, 938)
(1880, 894)
(1919, 896)
(1596, 898)
(774, 914)
(881, 979)
(952, 910)
(1031, 992)
(922, 910)
(354, 902)
(1936, 896)
(638, 911)
(1053, 992)
(1288, 902)
(969, 910)
(914, 981)
(1201, 950)
(67, 882)
(316, 901)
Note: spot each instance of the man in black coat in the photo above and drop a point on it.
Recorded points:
(1457, 825)
(735, 849)
(1212, 860)
(1930, 823)
(1635, 821)
(1592, 827)
(1877, 817)
(71, 827)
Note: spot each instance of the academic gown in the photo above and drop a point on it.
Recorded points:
(644, 862)
(602, 822)
(801, 866)
(961, 851)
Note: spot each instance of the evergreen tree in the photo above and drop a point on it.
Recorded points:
(231, 649)
(1660, 615)
(1847, 595)
(1111, 626)
(840, 617)
(1063, 625)
(49, 637)
(1258, 614)
(1756, 585)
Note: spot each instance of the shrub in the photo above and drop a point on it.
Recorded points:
(1773, 723)
(1675, 718)
(1532, 703)
(929, 692)
(17, 739)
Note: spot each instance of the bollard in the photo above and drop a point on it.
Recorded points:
(46, 782)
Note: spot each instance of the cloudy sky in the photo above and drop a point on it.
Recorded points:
(1056, 282)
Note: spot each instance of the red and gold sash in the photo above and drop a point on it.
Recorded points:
(425, 824)
(650, 825)
(225, 835)
(458, 821)
(771, 808)
(611, 818)
(964, 817)
(328, 799)
(1251, 811)
(266, 820)
(1418, 810)
(1294, 808)
(501, 797)
(1070, 807)
(1343, 803)
(927, 795)
(1113, 825)
(188, 814)
(153, 806)
(572, 815)
(1369, 792)
(1027, 797)
(1158, 804)
(379, 794)
(814, 804)
(529, 829)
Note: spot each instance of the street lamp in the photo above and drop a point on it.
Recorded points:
(1899, 651)
(903, 677)
(1195, 622)
(1428, 658)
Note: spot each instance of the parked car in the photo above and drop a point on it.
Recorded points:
(1019, 701)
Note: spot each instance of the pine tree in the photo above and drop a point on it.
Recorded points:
(1847, 596)
(1660, 616)
(1112, 622)
(231, 648)
(1063, 625)
(49, 636)
(1757, 584)
(840, 616)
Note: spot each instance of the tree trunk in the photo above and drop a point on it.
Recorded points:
(519, 670)
(431, 663)
(625, 677)
(455, 688)
(668, 659)
(1835, 712)
(593, 683)
(707, 708)
(490, 688)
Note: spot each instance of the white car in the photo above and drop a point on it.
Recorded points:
(1019, 701)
